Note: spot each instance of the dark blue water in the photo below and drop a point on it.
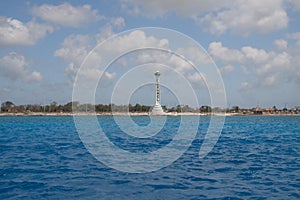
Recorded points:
(255, 158)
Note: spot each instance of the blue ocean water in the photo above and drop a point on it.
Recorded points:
(256, 157)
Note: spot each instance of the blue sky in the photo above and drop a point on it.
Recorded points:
(255, 44)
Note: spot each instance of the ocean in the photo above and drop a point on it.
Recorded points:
(256, 157)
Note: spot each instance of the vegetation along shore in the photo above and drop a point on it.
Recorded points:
(8, 108)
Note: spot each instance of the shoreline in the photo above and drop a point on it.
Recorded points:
(143, 114)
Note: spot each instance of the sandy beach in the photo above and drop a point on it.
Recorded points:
(140, 114)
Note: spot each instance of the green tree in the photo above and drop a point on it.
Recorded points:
(164, 108)
(69, 106)
(235, 109)
(137, 108)
(205, 109)
(178, 108)
(6, 106)
(186, 108)
(173, 109)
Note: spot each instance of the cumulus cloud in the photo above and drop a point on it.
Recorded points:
(198, 78)
(246, 55)
(104, 33)
(137, 39)
(219, 52)
(134, 39)
(281, 44)
(67, 15)
(295, 4)
(245, 17)
(237, 16)
(254, 55)
(15, 67)
(154, 8)
(15, 32)
(227, 69)
(273, 72)
(73, 50)
(295, 36)
(195, 54)
(294, 52)
(118, 22)
(269, 68)
(178, 63)
(108, 29)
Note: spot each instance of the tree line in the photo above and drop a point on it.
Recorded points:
(10, 107)
(75, 106)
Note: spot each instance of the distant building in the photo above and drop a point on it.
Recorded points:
(258, 111)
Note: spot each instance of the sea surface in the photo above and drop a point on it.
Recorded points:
(256, 157)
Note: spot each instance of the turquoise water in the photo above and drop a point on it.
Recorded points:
(256, 157)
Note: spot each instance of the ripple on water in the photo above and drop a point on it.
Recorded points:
(255, 158)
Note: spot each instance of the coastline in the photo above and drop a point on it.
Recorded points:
(142, 114)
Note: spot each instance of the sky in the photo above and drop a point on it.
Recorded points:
(254, 44)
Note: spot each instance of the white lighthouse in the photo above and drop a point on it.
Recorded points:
(157, 109)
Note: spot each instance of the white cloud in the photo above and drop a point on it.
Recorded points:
(134, 39)
(154, 8)
(67, 15)
(254, 55)
(245, 17)
(110, 75)
(118, 22)
(294, 74)
(227, 69)
(295, 4)
(275, 70)
(269, 68)
(294, 51)
(245, 85)
(295, 36)
(219, 52)
(247, 54)
(176, 62)
(15, 67)
(107, 30)
(180, 64)
(73, 50)
(198, 78)
(195, 54)
(281, 44)
(218, 16)
(104, 33)
(15, 32)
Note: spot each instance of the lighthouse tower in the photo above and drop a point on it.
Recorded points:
(157, 109)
